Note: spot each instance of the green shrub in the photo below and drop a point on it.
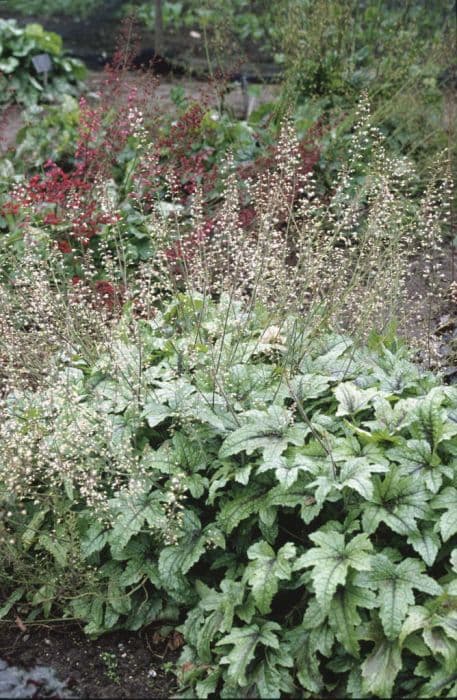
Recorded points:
(48, 133)
(293, 495)
(19, 82)
(240, 21)
(396, 52)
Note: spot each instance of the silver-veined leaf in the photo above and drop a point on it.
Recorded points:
(447, 500)
(352, 399)
(265, 570)
(395, 584)
(381, 668)
(245, 641)
(331, 561)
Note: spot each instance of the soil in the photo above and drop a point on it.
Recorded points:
(118, 665)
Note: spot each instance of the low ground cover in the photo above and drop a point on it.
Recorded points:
(207, 465)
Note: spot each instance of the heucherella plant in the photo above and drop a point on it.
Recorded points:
(288, 497)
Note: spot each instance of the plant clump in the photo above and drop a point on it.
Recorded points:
(19, 79)
(293, 495)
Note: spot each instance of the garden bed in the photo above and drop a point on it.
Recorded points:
(118, 665)
(226, 459)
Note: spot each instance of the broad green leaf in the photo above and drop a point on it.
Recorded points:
(271, 678)
(8, 65)
(452, 587)
(395, 584)
(245, 503)
(390, 419)
(113, 396)
(264, 571)
(45, 596)
(245, 641)
(267, 680)
(305, 660)
(96, 613)
(381, 668)
(354, 683)
(415, 620)
(254, 384)
(331, 561)
(426, 543)
(142, 615)
(396, 376)
(254, 500)
(309, 386)
(36, 84)
(177, 393)
(188, 452)
(441, 682)
(270, 431)
(356, 474)
(322, 639)
(155, 413)
(436, 618)
(285, 474)
(211, 410)
(344, 617)
(178, 559)
(11, 600)
(208, 685)
(417, 458)
(440, 644)
(132, 573)
(111, 617)
(131, 511)
(94, 539)
(222, 606)
(210, 628)
(55, 547)
(350, 447)
(314, 615)
(329, 361)
(195, 483)
(47, 41)
(447, 499)
(33, 527)
(117, 598)
(352, 399)
(448, 524)
(399, 502)
(81, 607)
(431, 421)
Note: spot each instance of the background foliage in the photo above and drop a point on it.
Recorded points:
(19, 81)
